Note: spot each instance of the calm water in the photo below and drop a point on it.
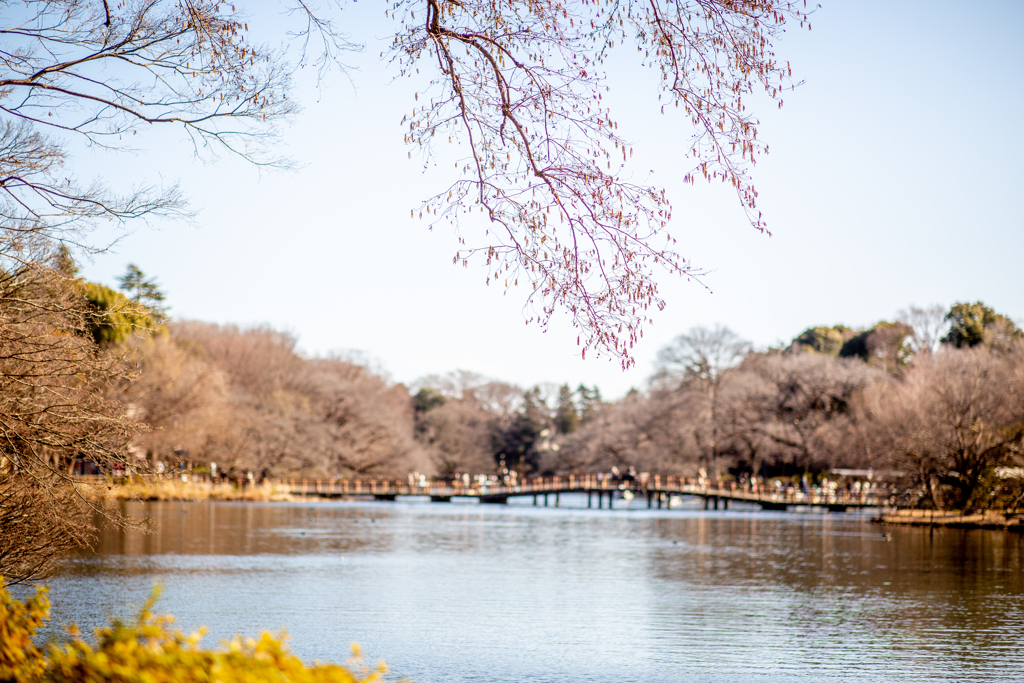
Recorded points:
(455, 593)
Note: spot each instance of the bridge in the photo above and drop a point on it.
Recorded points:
(656, 489)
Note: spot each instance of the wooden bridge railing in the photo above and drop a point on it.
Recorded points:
(590, 483)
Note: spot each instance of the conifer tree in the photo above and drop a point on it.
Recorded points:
(143, 291)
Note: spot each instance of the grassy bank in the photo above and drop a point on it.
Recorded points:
(193, 490)
(953, 519)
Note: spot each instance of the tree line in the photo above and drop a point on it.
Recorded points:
(934, 401)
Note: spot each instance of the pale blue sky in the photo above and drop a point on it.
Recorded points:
(894, 179)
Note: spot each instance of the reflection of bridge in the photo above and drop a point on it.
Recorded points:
(657, 490)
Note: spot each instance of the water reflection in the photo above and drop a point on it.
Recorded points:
(492, 593)
(938, 604)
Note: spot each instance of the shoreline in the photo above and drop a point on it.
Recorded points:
(952, 519)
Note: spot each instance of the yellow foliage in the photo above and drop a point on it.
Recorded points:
(20, 661)
(150, 650)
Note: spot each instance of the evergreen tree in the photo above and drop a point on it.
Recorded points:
(828, 341)
(976, 324)
(567, 418)
(64, 262)
(143, 291)
(427, 399)
(589, 401)
(516, 446)
(111, 317)
(886, 344)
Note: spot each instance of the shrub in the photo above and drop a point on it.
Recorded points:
(150, 650)
(20, 660)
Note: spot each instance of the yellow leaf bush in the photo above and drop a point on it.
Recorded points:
(20, 660)
(150, 650)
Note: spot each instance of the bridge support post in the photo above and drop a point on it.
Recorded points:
(707, 502)
(611, 497)
(649, 501)
(558, 501)
(590, 495)
(725, 503)
(659, 494)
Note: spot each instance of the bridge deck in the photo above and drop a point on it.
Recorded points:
(656, 489)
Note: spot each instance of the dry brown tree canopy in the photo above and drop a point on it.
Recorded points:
(37, 526)
(952, 420)
(247, 400)
(52, 411)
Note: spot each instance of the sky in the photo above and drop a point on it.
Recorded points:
(893, 179)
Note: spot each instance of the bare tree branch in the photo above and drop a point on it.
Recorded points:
(520, 85)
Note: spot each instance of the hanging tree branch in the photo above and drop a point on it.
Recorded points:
(520, 85)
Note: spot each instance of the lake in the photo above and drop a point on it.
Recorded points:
(467, 592)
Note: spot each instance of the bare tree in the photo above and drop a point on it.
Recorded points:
(100, 73)
(929, 326)
(457, 384)
(369, 422)
(890, 345)
(41, 519)
(182, 399)
(458, 437)
(954, 419)
(53, 380)
(501, 399)
(701, 355)
(810, 396)
(285, 414)
(692, 370)
(624, 434)
(743, 413)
